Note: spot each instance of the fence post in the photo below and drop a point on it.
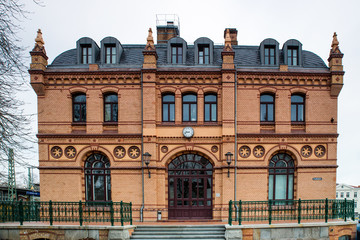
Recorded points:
(240, 211)
(130, 213)
(111, 213)
(299, 210)
(353, 210)
(122, 213)
(345, 213)
(270, 210)
(326, 210)
(80, 213)
(21, 212)
(230, 213)
(50, 213)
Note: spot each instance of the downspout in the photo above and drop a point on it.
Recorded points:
(235, 150)
(142, 152)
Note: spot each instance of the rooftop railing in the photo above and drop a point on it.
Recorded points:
(66, 212)
(290, 210)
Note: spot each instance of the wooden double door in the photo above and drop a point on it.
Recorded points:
(190, 187)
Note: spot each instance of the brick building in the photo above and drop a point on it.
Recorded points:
(105, 110)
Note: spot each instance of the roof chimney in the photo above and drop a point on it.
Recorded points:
(167, 26)
(233, 35)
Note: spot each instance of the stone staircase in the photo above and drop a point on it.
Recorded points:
(169, 232)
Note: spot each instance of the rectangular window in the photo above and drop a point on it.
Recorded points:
(110, 54)
(355, 194)
(210, 111)
(266, 108)
(342, 194)
(204, 57)
(86, 54)
(270, 55)
(347, 194)
(176, 54)
(168, 104)
(337, 194)
(292, 56)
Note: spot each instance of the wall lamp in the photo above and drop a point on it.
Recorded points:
(228, 156)
(147, 157)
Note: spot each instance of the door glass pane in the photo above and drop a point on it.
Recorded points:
(201, 203)
(186, 203)
(280, 187)
(99, 188)
(179, 188)
(171, 188)
(208, 188)
(209, 203)
(194, 203)
(291, 184)
(271, 185)
(186, 188)
(179, 202)
(201, 188)
(194, 188)
(171, 203)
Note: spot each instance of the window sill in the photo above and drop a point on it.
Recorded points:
(267, 123)
(297, 123)
(110, 123)
(78, 123)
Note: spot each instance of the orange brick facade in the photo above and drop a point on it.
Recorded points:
(140, 125)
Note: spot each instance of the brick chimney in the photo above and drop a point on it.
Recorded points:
(233, 36)
(166, 32)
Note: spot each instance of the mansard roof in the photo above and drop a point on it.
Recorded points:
(132, 56)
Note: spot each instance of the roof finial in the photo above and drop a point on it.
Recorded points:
(228, 46)
(150, 41)
(39, 39)
(335, 44)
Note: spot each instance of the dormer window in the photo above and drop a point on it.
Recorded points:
(176, 53)
(86, 54)
(269, 55)
(204, 54)
(110, 53)
(292, 56)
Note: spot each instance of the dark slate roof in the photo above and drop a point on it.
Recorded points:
(132, 56)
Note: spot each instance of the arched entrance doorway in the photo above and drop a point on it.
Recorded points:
(190, 187)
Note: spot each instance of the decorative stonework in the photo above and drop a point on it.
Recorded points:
(259, 151)
(134, 152)
(319, 151)
(214, 149)
(244, 151)
(119, 152)
(164, 149)
(70, 152)
(56, 152)
(306, 151)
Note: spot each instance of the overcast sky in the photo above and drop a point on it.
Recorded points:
(312, 22)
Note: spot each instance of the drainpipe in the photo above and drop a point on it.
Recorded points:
(235, 150)
(142, 152)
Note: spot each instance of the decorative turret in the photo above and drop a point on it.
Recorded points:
(336, 67)
(228, 53)
(150, 55)
(38, 64)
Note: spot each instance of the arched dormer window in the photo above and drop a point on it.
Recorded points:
(269, 52)
(204, 50)
(292, 51)
(111, 51)
(87, 51)
(176, 51)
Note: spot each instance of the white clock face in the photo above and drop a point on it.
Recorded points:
(188, 132)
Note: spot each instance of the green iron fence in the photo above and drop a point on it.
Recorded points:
(81, 212)
(287, 210)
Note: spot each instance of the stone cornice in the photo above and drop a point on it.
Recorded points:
(287, 135)
(84, 135)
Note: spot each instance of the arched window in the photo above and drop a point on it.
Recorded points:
(267, 110)
(168, 108)
(79, 107)
(189, 110)
(111, 107)
(281, 177)
(297, 108)
(97, 177)
(210, 105)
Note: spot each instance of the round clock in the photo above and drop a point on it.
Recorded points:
(188, 132)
